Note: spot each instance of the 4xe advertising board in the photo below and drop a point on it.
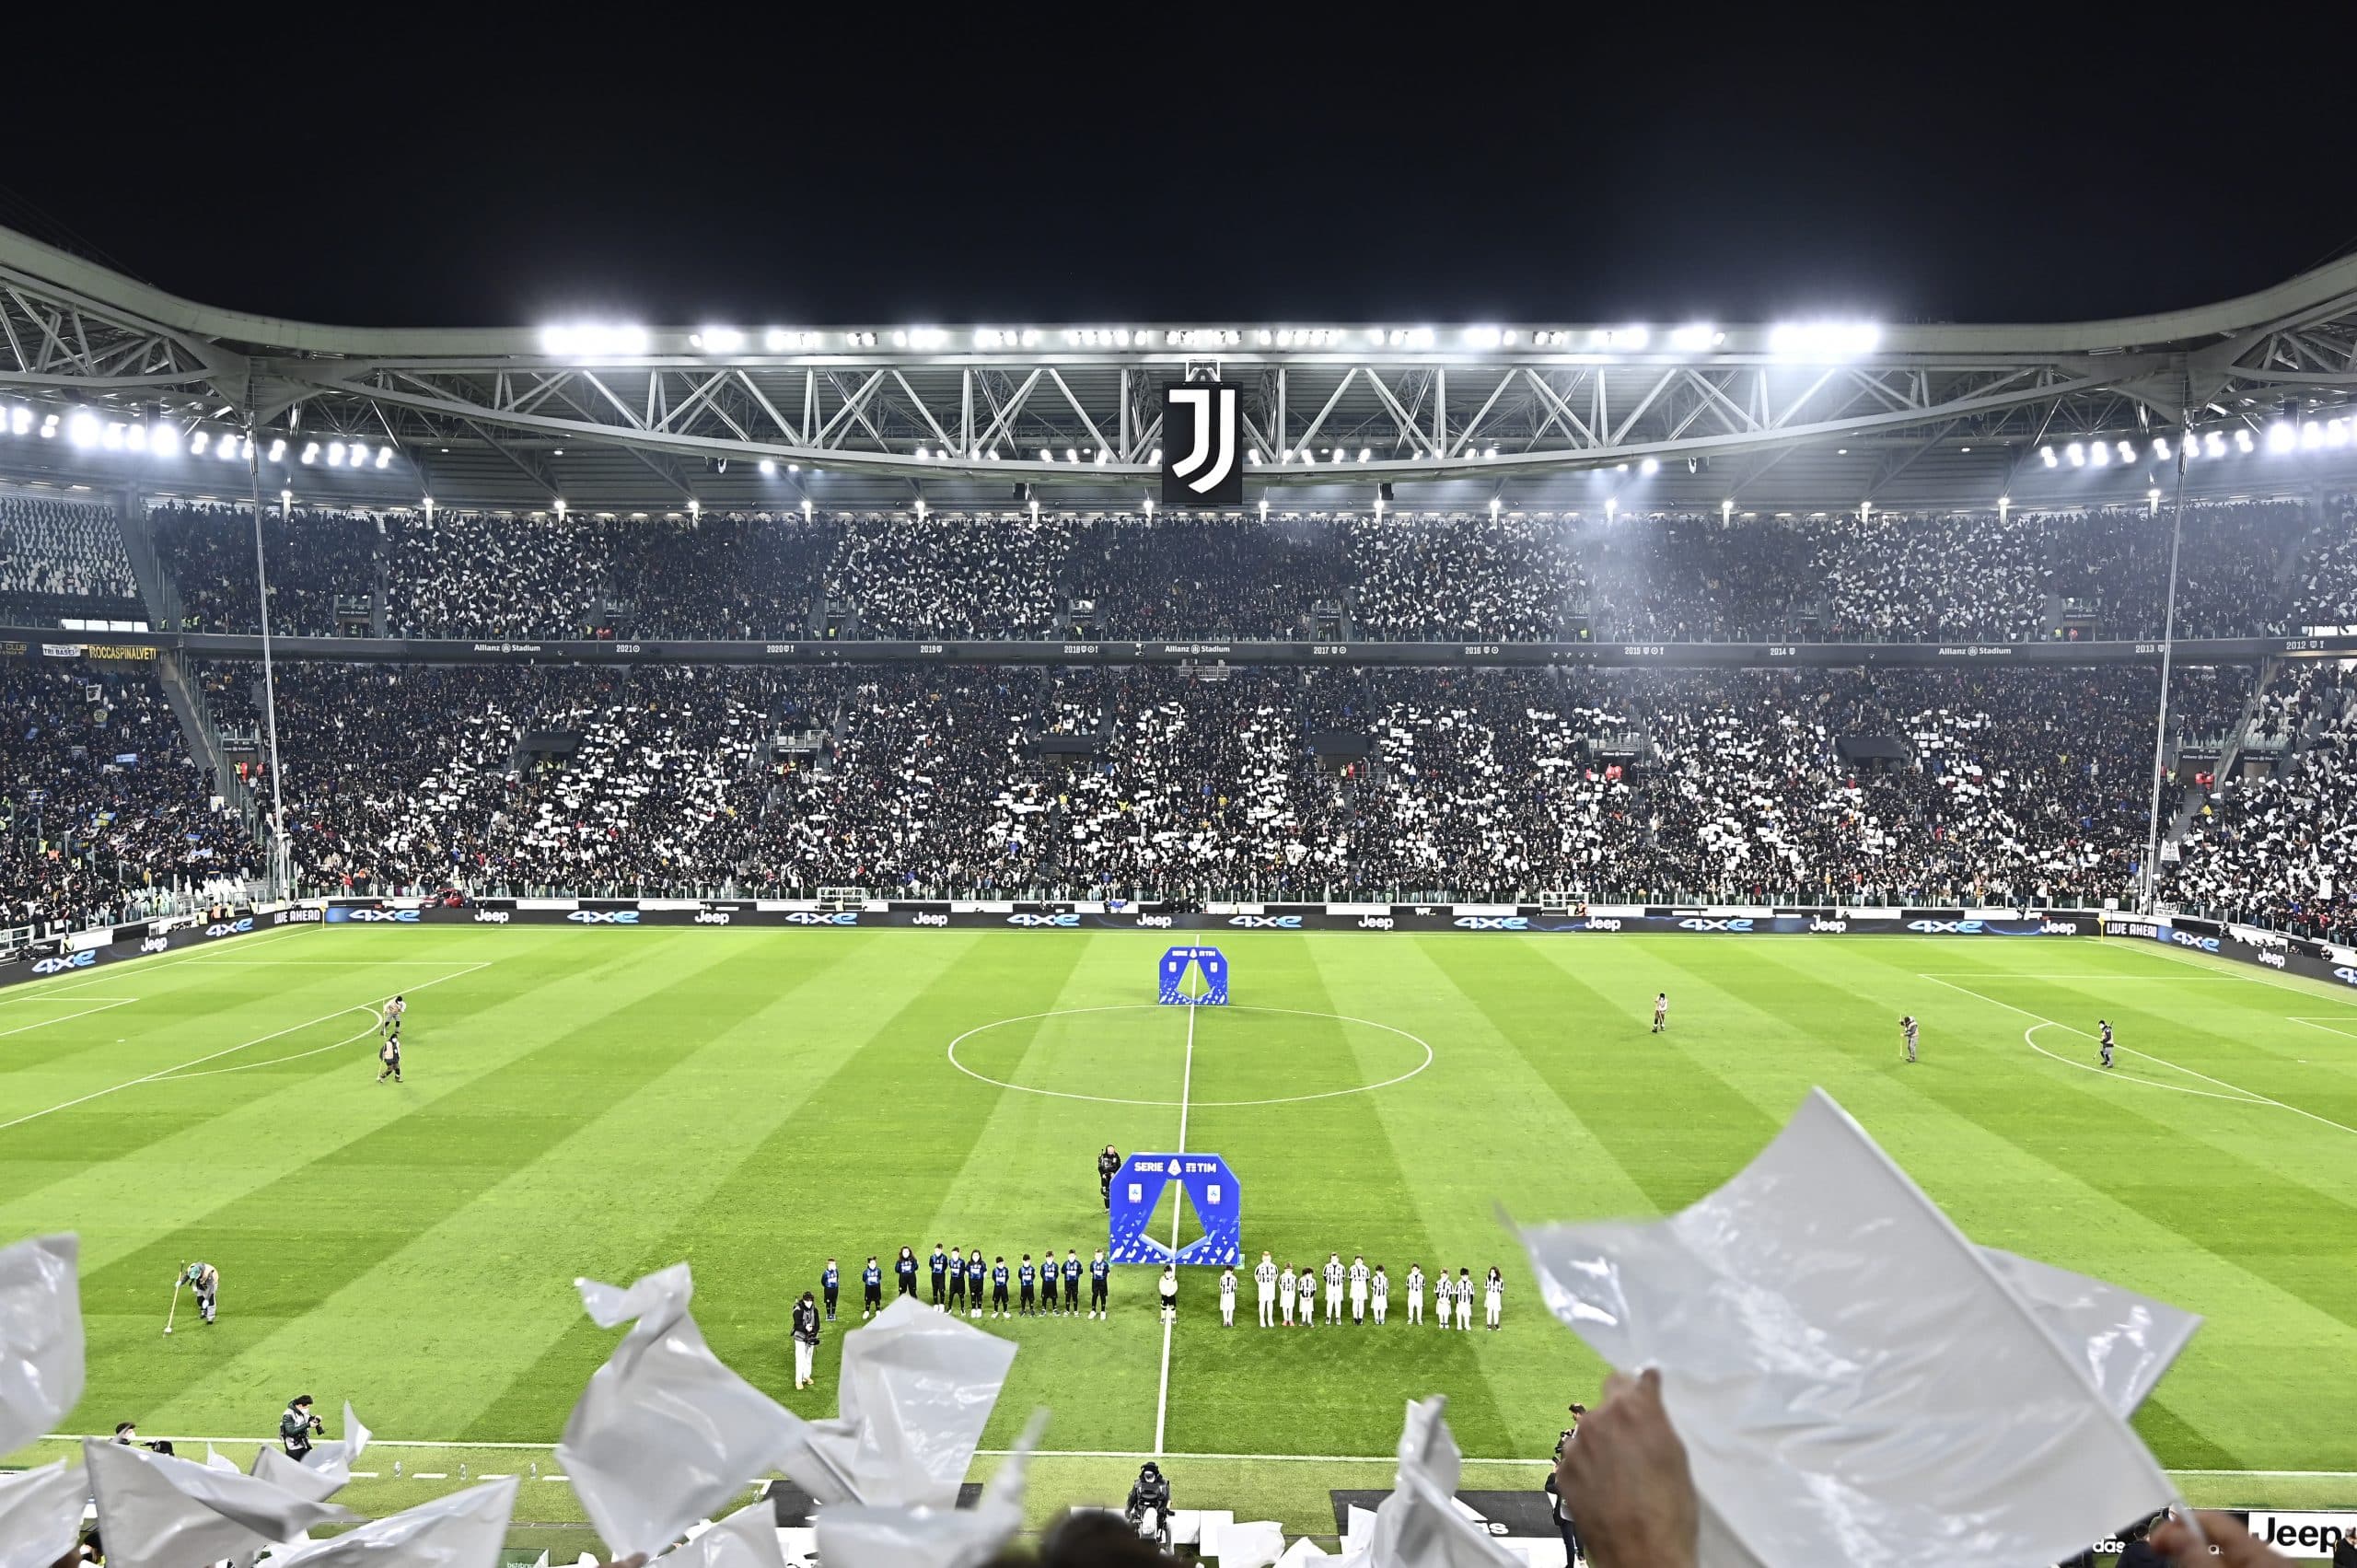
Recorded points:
(89, 949)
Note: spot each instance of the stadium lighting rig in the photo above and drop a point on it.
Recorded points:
(2283, 437)
(113, 430)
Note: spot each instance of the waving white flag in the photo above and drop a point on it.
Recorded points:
(156, 1512)
(1854, 1380)
(664, 1435)
(917, 1388)
(747, 1538)
(1420, 1525)
(884, 1536)
(41, 1515)
(41, 1337)
(465, 1529)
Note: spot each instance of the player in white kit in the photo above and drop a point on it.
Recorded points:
(1415, 1292)
(1308, 1298)
(1265, 1277)
(1333, 1287)
(1227, 1300)
(1464, 1298)
(1661, 1012)
(1382, 1295)
(1443, 1295)
(1494, 1296)
(1284, 1294)
(1358, 1288)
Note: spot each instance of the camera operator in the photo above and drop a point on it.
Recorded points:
(1564, 1524)
(1107, 1163)
(1151, 1491)
(127, 1434)
(298, 1426)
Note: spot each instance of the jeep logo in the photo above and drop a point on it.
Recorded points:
(1601, 923)
(154, 945)
(1154, 922)
(2058, 928)
(492, 917)
(1946, 927)
(1038, 920)
(1819, 922)
(929, 917)
(80, 960)
(812, 917)
(1266, 922)
(1374, 922)
(1696, 922)
(711, 917)
(2271, 958)
(604, 917)
(1490, 922)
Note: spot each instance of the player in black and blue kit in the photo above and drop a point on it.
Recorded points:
(904, 1271)
(940, 1261)
(957, 1280)
(1072, 1281)
(1100, 1274)
(1027, 1277)
(831, 1280)
(998, 1288)
(974, 1273)
(871, 1288)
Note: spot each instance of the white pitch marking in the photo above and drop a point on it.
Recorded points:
(430, 1475)
(2309, 989)
(103, 1003)
(2238, 1097)
(2329, 1026)
(1178, 1207)
(1217, 1104)
(2248, 1095)
(50, 985)
(25, 994)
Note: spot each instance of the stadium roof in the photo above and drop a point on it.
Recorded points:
(1544, 415)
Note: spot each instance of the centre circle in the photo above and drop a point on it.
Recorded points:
(1075, 1048)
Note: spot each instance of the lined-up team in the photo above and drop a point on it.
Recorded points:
(1289, 1296)
(959, 1281)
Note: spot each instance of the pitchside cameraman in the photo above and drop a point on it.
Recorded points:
(1107, 1163)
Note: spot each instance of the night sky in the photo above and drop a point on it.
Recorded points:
(1342, 173)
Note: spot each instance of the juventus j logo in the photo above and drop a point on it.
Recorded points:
(1201, 423)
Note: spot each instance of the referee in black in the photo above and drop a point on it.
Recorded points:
(1107, 1163)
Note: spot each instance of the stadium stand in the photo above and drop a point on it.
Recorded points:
(102, 813)
(62, 560)
(315, 557)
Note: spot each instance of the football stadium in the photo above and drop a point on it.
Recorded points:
(1136, 869)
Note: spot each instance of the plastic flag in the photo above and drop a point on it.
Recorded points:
(917, 1388)
(465, 1529)
(929, 1536)
(1420, 1525)
(41, 1515)
(664, 1435)
(747, 1538)
(41, 1337)
(156, 1512)
(2125, 1341)
(1854, 1380)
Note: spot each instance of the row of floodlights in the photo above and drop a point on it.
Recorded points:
(91, 430)
(1792, 340)
(2284, 436)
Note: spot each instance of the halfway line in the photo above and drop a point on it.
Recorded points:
(1178, 1206)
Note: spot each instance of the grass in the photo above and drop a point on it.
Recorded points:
(605, 1102)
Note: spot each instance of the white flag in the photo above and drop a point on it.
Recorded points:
(320, 1473)
(2125, 1341)
(926, 1537)
(664, 1435)
(1420, 1525)
(41, 1515)
(917, 1388)
(465, 1529)
(1854, 1380)
(41, 1337)
(156, 1512)
(747, 1538)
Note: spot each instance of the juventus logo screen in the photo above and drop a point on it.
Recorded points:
(1202, 446)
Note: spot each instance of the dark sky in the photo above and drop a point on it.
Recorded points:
(410, 176)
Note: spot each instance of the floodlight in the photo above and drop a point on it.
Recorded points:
(1072, 454)
(165, 439)
(2281, 438)
(1695, 337)
(1365, 454)
(83, 428)
(1651, 465)
(110, 437)
(2077, 454)
(335, 454)
(1046, 456)
(311, 452)
(718, 340)
(1157, 457)
(2126, 453)
(2099, 454)
(1483, 337)
(2214, 444)
(2311, 436)
(384, 456)
(769, 467)
(2336, 432)
(2046, 453)
(2161, 448)
(197, 443)
(277, 450)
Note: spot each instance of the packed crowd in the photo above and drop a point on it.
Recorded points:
(2281, 851)
(63, 559)
(2246, 569)
(2023, 784)
(100, 807)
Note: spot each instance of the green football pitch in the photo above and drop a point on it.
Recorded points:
(601, 1102)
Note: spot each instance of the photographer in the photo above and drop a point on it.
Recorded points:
(1564, 1524)
(127, 1434)
(298, 1426)
(1107, 1163)
(1151, 1491)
